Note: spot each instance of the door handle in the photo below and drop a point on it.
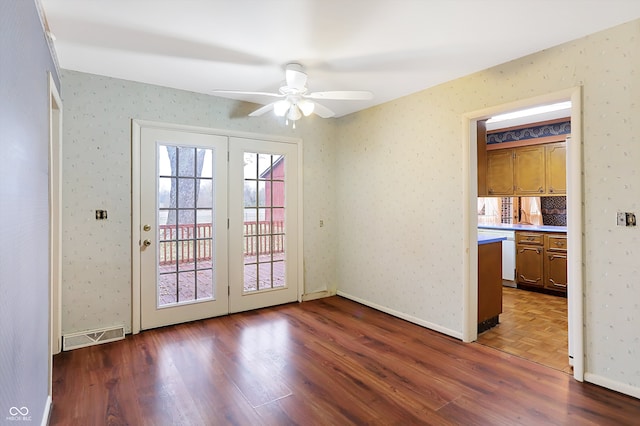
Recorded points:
(146, 243)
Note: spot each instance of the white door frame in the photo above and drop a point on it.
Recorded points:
(55, 225)
(136, 126)
(575, 291)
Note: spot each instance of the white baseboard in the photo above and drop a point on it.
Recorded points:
(612, 384)
(317, 295)
(410, 318)
(47, 411)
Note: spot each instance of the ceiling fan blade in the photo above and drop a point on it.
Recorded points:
(241, 92)
(262, 110)
(354, 95)
(295, 76)
(323, 111)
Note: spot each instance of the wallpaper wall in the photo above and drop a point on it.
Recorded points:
(25, 62)
(400, 200)
(388, 184)
(97, 175)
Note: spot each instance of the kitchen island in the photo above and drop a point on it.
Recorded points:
(489, 281)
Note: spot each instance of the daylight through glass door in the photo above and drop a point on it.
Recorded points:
(264, 222)
(186, 252)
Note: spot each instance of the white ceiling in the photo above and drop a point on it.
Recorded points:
(390, 47)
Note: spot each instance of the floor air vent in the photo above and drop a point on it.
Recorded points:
(92, 337)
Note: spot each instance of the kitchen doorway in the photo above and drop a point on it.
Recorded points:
(574, 220)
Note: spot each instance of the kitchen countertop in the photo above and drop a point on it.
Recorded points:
(520, 227)
(484, 239)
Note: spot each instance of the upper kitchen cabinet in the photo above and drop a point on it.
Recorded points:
(500, 172)
(529, 170)
(482, 157)
(556, 168)
(526, 160)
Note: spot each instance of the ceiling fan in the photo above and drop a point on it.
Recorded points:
(296, 100)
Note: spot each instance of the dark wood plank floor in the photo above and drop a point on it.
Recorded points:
(329, 361)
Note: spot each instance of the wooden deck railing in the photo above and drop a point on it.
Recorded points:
(187, 242)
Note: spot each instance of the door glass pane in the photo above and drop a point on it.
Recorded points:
(205, 193)
(186, 161)
(277, 199)
(250, 195)
(264, 191)
(264, 224)
(185, 193)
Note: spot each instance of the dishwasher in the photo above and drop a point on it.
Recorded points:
(508, 253)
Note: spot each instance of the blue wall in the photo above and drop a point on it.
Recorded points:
(25, 61)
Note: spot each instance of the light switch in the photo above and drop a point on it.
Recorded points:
(101, 214)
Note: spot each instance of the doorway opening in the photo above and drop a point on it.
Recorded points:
(570, 319)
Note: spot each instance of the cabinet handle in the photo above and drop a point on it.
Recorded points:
(527, 280)
(550, 190)
(540, 190)
(537, 249)
(559, 243)
(557, 284)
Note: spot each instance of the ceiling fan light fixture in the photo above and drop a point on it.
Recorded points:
(280, 108)
(294, 113)
(306, 107)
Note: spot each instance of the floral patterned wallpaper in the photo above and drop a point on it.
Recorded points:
(400, 193)
(97, 175)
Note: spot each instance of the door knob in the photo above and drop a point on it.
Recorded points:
(146, 243)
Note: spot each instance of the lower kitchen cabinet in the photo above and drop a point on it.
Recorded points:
(555, 262)
(541, 261)
(529, 259)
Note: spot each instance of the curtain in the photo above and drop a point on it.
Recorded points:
(530, 212)
(489, 209)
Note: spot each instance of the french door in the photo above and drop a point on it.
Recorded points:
(263, 240)
(183, 219)
(218, 225)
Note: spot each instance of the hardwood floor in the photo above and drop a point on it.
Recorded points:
(328, 361)
(532, 326)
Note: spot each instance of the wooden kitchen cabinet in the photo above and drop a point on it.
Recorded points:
(541, 261)
(529, 170)
(556, 168)
(500, 172)
(555, 262)
(530, 259)
(481, 143)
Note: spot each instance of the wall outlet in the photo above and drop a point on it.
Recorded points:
(622, 219)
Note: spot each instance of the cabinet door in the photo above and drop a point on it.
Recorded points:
(556, 159)
(482, 158)
(529, 265)
(529, 170)
(500, 172)
(555, 271)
